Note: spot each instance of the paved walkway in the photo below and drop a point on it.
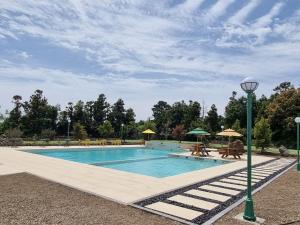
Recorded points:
(198, 203)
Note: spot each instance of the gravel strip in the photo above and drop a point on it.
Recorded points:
(26, 199)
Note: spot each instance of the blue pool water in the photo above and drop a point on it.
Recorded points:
(150, 162)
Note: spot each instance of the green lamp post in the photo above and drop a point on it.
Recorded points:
(297, 120)
(249, 85)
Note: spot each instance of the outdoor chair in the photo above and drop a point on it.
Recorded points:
(200, 149)
(236, 149)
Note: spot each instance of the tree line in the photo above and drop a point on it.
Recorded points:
(36, 118)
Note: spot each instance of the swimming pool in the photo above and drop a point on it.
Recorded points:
(150, 162)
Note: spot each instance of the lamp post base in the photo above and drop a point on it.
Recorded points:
(298, 167)
(249, 210)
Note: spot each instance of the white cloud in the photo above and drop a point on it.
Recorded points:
(132, 39)
(268, 18)
(218, 9)
(242, 14)
(23, 55)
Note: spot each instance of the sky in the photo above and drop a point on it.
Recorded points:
(144, 51)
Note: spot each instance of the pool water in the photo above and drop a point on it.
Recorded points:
(149, 162)
(166, 167)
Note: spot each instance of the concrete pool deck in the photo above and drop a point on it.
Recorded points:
(123, 187)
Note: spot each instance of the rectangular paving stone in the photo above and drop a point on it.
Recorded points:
(204, 194)
(275, 168)
(175, 210)
(263, 172)
(265, 169)
(244, 178)
(236, 186)
(219, 189)
(193, 202)
(253, 176)
(235, 181)
(256, 174)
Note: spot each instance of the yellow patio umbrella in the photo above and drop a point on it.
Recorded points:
(229, 133)
(148, 131)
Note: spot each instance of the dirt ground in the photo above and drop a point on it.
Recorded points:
(26, 199)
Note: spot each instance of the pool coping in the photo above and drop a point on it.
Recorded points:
(118, 186)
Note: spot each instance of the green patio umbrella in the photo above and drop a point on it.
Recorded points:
(198, 132)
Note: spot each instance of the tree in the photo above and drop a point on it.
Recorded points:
(117, 116)
(161, 114)
(39, 115)
(237, 109)
(79, 132)
(212, 119)
(261, 105)
(130, 130)
(284, 86)
(177, 113)
(262, 134)
(236, 126)
(281, 112)
(144, 125)
(191, 113)
(13, 136)
(13, 133)
(129, 116)
(15, 115)
(178, 132)
(48, 134)
(106, 130)
(101, 109)
(78, 113)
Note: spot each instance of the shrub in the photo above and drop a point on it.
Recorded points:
(79, 132)
(48, 134)
(262, 134)
(13, 137)
(178, 132)
(3, 140)
(13, 133)
(106, 129)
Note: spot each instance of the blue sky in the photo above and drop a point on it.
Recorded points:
(144, 51)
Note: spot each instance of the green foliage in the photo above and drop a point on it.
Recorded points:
(117, 116)
(34, 116)
(161, 114)
(212, 119)
(237, 126)
(144, 125)
(262, 134)
(15, 114)
(235, 109)
(79, 132)
(178, 132)
(283, 109)
(100, 109)
(39, 115)
(12, 137)
(130, 130)
(106, 130)
(13, 133)
(48, 134)
(167, 117)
